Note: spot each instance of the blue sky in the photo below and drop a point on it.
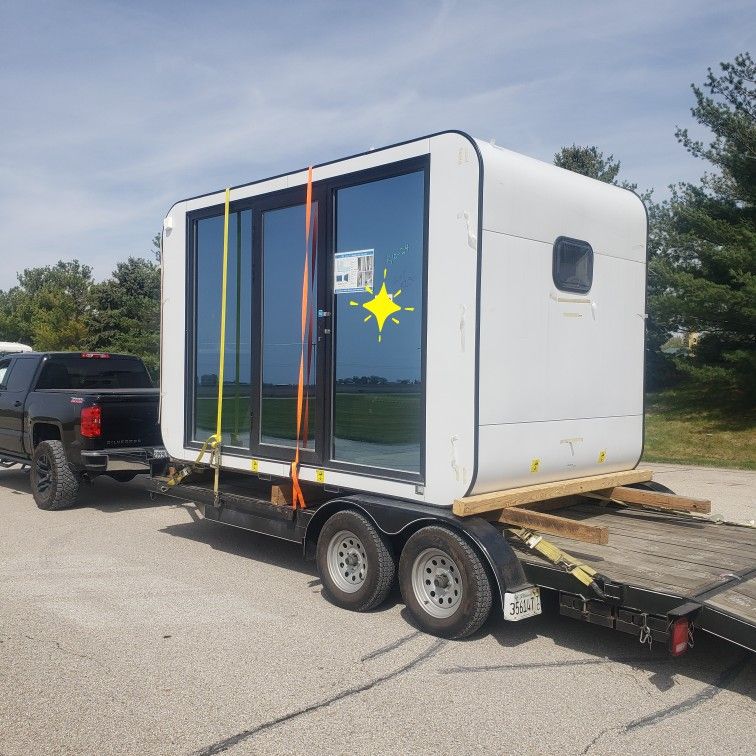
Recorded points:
(111, 111)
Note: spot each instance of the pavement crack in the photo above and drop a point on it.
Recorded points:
(725, 678)
(598, 737)
(390, 647)
(537, 665)
(66, 651)
(225, 744)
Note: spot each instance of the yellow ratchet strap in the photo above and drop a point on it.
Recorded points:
(212, 445)
(582, 572)
(222, 354)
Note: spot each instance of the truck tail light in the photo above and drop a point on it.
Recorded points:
(91, 421)
(95, 355)
(678, 636)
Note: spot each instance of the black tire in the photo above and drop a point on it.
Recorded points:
(123, 476)
(371, 550)
(462, 568)
(54, 484)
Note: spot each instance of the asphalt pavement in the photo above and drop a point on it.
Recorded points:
(133, 626)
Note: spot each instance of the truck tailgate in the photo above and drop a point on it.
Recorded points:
(129, 418)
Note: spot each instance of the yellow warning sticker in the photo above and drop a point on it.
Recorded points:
(602, 456)
(320, 476)
(254, 465)
(534, 465)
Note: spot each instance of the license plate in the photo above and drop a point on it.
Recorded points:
(159, 453)
(522, 604)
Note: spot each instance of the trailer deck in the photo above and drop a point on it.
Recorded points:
(665, 561)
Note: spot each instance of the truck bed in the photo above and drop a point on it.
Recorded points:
(666, 560)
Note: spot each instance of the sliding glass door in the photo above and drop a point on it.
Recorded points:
(282, 245)
(362, 363)
(205, 347)
(378, 293)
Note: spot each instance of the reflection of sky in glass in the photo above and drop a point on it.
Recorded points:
(283, 260)
(388, 217)
(239, 296)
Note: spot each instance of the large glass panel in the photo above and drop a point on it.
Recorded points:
(238, 355)
(283, 262)
(378, 310)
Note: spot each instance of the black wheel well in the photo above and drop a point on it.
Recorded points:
(44, 432)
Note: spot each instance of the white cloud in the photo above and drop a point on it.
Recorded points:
(113, 111)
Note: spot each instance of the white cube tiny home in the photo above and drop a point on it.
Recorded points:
(475, 323)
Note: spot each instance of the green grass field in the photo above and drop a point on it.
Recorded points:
(690, 426)
(379, 418)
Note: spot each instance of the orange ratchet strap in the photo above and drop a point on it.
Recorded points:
(297, 495)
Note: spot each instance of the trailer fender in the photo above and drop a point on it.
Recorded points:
(398, 520)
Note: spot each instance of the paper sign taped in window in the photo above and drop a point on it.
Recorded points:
(353, 271)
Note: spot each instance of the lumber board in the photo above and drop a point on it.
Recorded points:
(655, 499)
(549, 505)
(281, 494)
(553, 525)
(487, 502)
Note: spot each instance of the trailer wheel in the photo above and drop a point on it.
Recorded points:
(444, 583)
(355, 561)
(53, 483)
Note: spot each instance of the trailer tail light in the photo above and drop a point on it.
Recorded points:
(678, 636)
(91, 421)
(95, 356)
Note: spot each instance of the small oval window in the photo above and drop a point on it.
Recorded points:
(573, 265)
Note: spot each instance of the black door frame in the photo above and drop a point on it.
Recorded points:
(324, 193)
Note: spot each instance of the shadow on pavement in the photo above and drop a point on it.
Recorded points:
(711, 661)
(103, 493)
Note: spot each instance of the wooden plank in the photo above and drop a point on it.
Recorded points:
(281, 494)
(655, 499)
(671, 529)
(546, 523)
(552, 504)
(471, 505)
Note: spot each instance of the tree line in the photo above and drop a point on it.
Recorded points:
(62, 308)
(701, 270)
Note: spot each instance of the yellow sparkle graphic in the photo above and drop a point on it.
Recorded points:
(382, 306)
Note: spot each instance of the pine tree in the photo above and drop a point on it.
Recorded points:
(702, 272)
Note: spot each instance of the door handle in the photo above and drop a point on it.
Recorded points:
(18, 404)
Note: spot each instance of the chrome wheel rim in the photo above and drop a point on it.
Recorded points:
(347, 561)
(43, 473)
(437, 583)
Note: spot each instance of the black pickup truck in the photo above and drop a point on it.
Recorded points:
(72, 416)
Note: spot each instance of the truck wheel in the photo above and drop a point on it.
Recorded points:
(54, 485)
(444, 583)
(356, 563)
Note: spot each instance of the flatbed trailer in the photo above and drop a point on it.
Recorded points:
(658, 569)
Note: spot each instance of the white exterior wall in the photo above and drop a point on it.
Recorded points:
(560, 381)
(451, 309)
(561, 374)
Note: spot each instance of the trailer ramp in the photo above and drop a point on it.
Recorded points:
(665, 563)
